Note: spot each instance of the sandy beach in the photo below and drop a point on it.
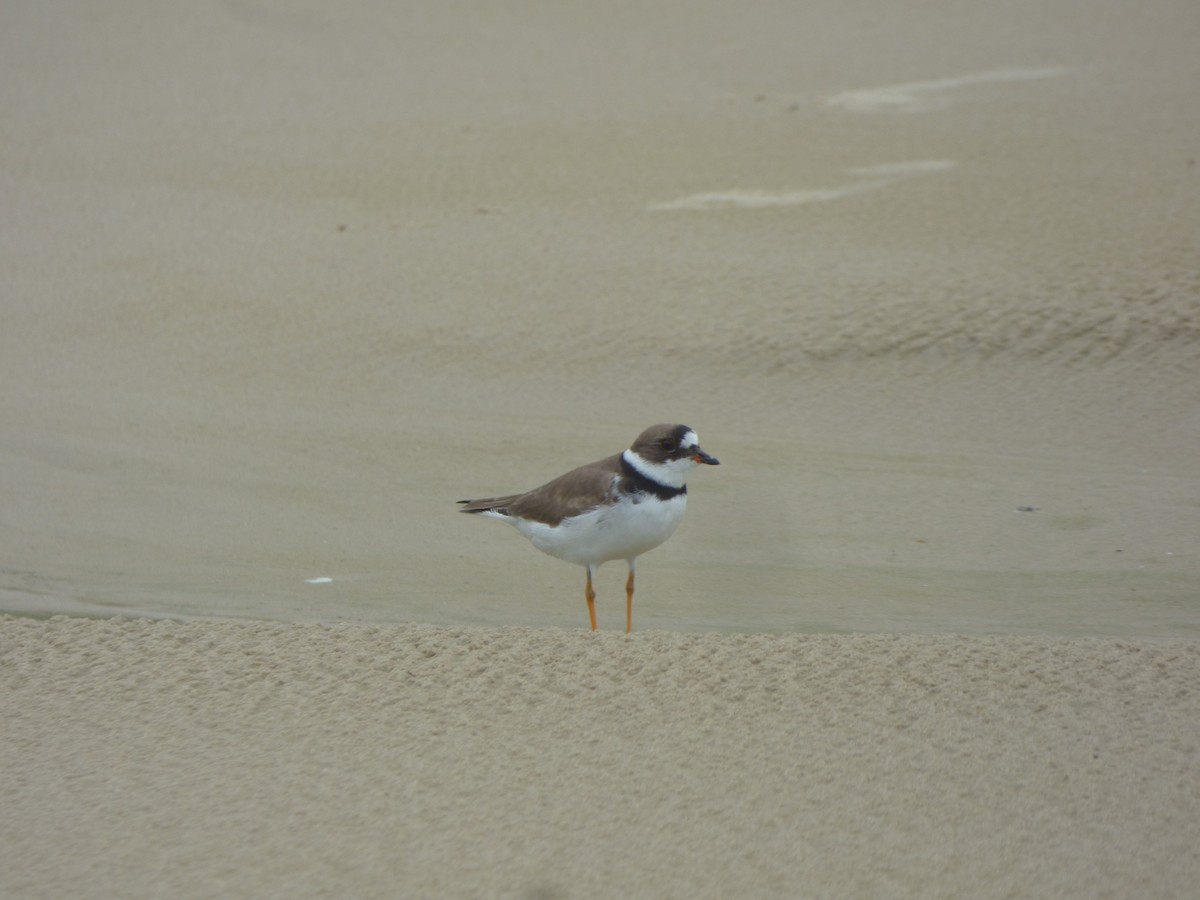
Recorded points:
(151, 759)
(281, 282)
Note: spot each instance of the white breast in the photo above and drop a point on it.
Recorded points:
(621, 531)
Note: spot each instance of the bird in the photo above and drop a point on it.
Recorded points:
(618, 507)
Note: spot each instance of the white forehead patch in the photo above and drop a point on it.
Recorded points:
(689, 440)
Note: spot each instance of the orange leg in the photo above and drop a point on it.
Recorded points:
(591, 598)
(629, 600)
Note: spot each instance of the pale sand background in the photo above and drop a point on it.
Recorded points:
(160, 759)
(282, 281)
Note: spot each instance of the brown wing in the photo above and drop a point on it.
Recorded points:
(567, 495)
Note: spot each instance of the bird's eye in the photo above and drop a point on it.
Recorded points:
(667, 444)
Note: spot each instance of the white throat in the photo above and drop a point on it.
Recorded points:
(672, 474)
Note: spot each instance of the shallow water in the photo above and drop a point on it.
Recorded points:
(788, 534)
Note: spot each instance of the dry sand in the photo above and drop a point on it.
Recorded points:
(281, 281)
(161, 759)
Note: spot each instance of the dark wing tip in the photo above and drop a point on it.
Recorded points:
(478, 506)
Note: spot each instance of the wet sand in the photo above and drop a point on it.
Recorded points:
(282, 284)
(281, 287)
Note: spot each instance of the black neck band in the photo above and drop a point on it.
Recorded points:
(647, 485)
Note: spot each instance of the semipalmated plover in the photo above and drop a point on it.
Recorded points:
(618, 507)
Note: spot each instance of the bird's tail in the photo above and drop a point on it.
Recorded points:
(490, 504)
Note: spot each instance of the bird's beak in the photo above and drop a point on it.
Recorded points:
(701, 457)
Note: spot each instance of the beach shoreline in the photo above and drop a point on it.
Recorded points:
(283, 282)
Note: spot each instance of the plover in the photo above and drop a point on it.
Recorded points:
(618, 507)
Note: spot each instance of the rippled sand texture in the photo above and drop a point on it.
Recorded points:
(275, 759)
(281, 283)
